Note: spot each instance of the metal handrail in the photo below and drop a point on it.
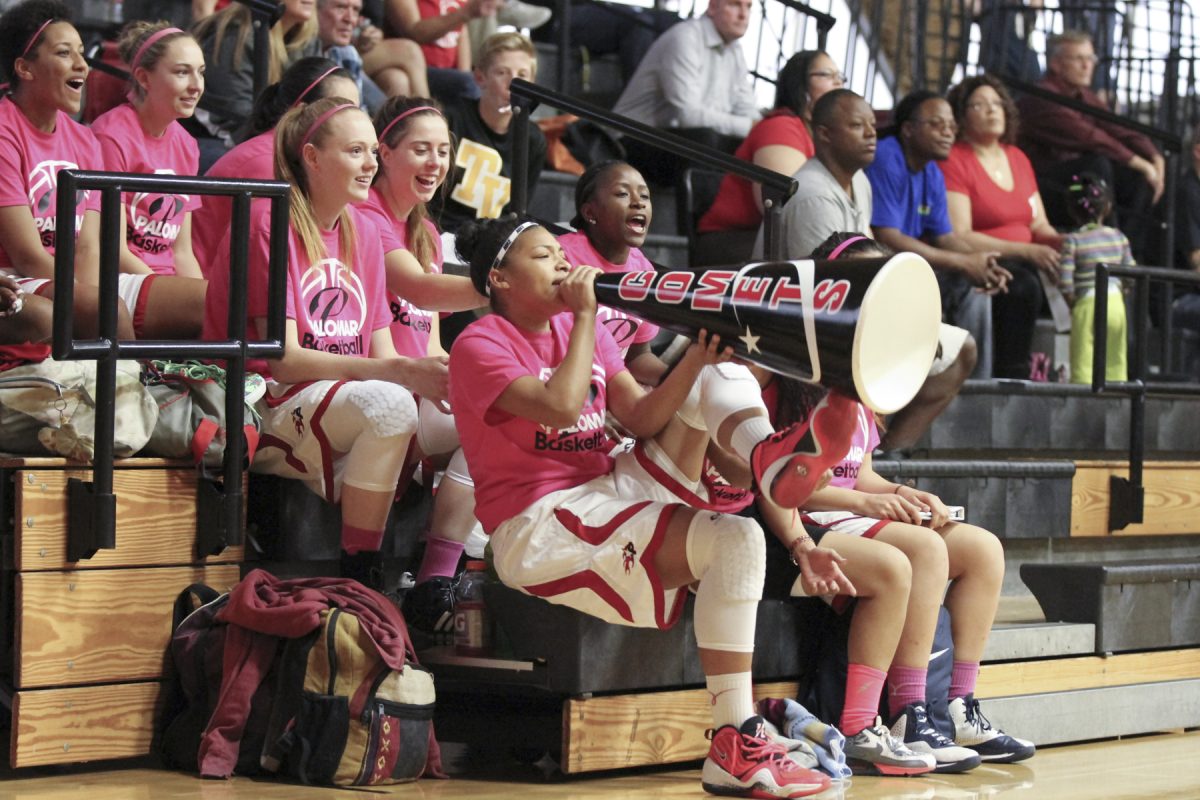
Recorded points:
(92, 505)
(526, 96)
(1127, 502)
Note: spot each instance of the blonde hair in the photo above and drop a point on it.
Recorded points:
(290, 141)
(133, 36)
(398, 112)
(506, 42)
(285, 45)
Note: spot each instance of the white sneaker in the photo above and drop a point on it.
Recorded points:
(972, 729)
(523, 15)
(875, 751)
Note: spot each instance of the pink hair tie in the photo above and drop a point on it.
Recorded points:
(404, 114)
(313, 85)
(150, 40)
(34, 38)
(837, 251)
(321, 120)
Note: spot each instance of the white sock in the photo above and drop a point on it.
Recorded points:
(732, 698)
(750, 433)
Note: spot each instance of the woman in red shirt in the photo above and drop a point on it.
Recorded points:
(781, 141)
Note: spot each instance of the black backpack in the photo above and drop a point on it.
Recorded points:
(826, 687)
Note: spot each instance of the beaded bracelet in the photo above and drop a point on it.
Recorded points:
(792, 547)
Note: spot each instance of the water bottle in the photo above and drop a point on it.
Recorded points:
(472, 632)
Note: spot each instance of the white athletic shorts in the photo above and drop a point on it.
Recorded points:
(132, 289)
(294, 442)
(592, 547)
(844, 522)
(950, 343)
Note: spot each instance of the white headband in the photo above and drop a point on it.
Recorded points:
(503, 251)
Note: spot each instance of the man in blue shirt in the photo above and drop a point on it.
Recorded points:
(910, 214)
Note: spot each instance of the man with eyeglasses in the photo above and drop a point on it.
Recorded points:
(910, 214)
(1062, 142)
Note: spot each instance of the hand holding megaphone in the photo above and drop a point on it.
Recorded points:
(867, 327)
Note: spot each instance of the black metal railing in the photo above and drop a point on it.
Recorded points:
(1127, 496)
(219, 510)
(526, 96)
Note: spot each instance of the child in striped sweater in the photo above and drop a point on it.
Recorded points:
(1089, 202)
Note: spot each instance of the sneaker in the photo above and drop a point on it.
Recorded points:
(972, 729)
(523, 15)
(788, 466)
(744, 763)
(429, 606)
(912, 726)
(874, 751)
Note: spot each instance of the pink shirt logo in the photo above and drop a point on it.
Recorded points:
(333, 303)
(43, 193)
(154, 220)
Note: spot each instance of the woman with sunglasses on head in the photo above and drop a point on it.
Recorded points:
(306, 81)
(339, 410)
(781, 141)
(415, 153)
(143, 136)
(42, 57)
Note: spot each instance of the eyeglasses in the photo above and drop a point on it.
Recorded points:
(985, 105)
(837, 77)
(939, 124)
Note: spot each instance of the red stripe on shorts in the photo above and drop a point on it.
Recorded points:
(314, 425)
(584, 580)
(139, 305)
(647, 560)
(598, 534)
(269, 440)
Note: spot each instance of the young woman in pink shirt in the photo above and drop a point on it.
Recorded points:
(42, 55)
(339, 410)
(306, 81)
(143, 136)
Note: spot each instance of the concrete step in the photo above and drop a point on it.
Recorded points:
(593, 79)
(1076, 716)
(1025, 640)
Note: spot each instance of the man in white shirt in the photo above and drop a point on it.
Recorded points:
(695, 83)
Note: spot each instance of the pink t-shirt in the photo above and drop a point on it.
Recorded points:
(336, 306)
(152, 221)
(411, 326)
(626, 329)
(253, 159)
(1003, 213)
(862, 443)
(515, 461)
(29, 163)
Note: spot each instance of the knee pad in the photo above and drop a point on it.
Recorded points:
(457, 470)
(386, 408)
(689, 411)
(728, 553)
(726, 389)
(436, 433)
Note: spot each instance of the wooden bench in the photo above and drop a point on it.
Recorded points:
(83, 653)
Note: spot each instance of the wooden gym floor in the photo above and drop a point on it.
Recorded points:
(1156, 766)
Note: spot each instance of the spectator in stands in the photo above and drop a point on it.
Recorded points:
(339, 410)
(24, 318)
(531, 409)
(227, 39)
(440, 29)
(695, 83)
(782, 142)
(832, 190)
(481, 185)
(414, 157)
(381, 67)
(1093, 242)
(1062, 142)
(909, 213)
(1186, 311)
(143, 136)
(612, 216)
(860, 506)
(993, 202)
(604, 28)
(42, 56)
(308, 80)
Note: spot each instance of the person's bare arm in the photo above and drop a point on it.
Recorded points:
(406, 18)
(780, 158)
(1044, 257)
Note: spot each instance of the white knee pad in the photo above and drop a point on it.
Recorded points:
(726, 389)
(436, 433)
(728, 555)
(387, 409)
(689, 411)
(457, 470)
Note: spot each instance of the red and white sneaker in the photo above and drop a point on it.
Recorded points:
(745, 763)
(788, 466)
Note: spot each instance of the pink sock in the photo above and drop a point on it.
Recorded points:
(906, 685)
(962, 678)
(355, 539)
(863, 686)
(440, 559)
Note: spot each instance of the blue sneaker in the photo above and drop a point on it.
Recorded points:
(972, 729)
(912, 726)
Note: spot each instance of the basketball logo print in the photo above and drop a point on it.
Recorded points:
(333, 300)
(153, 220)
(43, 185)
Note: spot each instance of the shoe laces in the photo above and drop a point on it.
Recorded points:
(889, 740)
(762, 749)
(975, 716)
(926, 730)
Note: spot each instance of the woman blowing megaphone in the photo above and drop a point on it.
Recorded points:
(621, 537)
